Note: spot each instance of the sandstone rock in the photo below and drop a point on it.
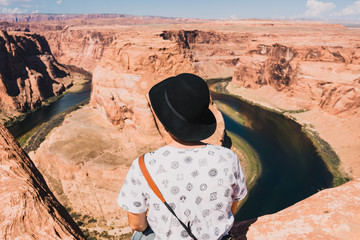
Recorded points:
(275, 70)
(78, 47)
(337, 99)
(329, 214)
(213, 54)
(29, 210)
(29, 74)
(303, 73)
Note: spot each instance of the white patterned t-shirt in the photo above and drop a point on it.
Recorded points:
(199, 184)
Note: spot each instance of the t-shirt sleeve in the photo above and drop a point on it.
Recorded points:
(239, 185)
(132, 196)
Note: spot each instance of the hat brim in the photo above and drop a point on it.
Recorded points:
(182, 129)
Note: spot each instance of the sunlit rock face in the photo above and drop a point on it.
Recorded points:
(29, 210)
(329, 214)
(29, 74)
(79, 47)
(213, 54)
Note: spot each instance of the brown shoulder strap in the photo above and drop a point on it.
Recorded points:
(149, 179)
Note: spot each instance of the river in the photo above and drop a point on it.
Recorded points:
(291, 168)
(44, 114)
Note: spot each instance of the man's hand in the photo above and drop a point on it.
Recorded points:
(137, 221)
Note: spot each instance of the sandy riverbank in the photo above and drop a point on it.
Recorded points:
(249, 160)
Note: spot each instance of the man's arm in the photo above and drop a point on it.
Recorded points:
(137, 221)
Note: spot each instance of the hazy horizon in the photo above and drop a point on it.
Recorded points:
(202, 9)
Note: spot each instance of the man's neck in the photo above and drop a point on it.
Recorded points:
(185, 145)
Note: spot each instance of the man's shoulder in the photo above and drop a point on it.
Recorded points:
(221, 149)
(160, 150)
(165, 151)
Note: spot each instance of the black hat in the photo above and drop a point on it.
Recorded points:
(181, 103)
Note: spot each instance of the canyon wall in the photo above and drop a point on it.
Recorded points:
(29, 73)
(79, 47)
(29, 210)
(324, 76)
(212, 54)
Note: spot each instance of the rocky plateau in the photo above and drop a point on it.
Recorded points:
(307, 70)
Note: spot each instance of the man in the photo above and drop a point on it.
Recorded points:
(201, 183)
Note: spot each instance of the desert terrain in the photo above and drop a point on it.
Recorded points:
(309, 71)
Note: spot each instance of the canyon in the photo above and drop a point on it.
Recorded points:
(29, 73)
(307, 71)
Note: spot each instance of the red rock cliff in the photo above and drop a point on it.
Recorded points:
(329, 214)
(28, 72)
(213, 54)
(29, 210)
(322, 76)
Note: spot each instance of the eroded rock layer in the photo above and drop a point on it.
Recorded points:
(213, 54)
(79, 47)
(29, 210)
(29, 74)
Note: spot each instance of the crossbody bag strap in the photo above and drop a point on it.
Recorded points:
(157, 192)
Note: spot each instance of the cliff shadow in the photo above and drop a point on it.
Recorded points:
(240, 229)
(226, 142)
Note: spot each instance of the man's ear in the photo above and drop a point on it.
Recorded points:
(164, 134)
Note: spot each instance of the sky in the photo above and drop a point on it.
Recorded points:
(203, 9)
